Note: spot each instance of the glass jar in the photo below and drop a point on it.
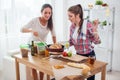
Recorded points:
(24, 50)
(91, 60)
(41, 48)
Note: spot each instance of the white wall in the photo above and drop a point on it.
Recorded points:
(13, 15)
(10, 43)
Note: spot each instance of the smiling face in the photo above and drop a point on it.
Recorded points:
(75, 14)
(46, 13)
(73, 18)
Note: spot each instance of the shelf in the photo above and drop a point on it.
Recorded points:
(102, 8)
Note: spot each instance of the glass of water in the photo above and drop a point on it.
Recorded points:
(67, 45)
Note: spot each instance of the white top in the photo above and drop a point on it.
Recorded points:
(43, 31)
(84, 30)
(75, 34)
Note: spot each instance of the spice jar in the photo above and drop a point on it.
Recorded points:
(46, 53)
(41, 48)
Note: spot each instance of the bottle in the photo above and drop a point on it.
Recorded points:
(35, 49)
(32, 48)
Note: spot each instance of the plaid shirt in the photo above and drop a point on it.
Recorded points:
(83, 46)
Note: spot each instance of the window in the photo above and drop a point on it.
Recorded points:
(13, 15)
(16, 13)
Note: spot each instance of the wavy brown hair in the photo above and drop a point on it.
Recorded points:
(50, 21)
(77, 9)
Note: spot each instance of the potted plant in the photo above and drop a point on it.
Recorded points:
(98, 2)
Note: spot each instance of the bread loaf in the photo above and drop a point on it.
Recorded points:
(56, 46)
(78, 65)
(85, 68)
(85, 71)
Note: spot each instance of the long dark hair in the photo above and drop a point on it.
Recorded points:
(50, 21)
(77, 9)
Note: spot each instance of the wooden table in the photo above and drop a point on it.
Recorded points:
(44, 64)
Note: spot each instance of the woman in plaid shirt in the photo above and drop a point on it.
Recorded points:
(82, 33)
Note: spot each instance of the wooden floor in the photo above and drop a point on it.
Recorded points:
(114, 75)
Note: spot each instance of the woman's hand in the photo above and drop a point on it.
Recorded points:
(35, 33)
(95, 25)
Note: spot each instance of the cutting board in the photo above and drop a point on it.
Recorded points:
(75, 58)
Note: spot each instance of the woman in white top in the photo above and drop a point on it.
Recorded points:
(40, 27)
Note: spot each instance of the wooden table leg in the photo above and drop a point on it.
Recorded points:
(34, 74)
(29, 73)
(17, 69)
(103, 73)
(48, 77)
(41, 75)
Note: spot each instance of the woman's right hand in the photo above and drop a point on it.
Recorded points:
(35, 33)
(95, 25)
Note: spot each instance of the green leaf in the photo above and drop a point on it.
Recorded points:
(104, 23)
(99, 2)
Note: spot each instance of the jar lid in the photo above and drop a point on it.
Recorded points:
(24, 46)
(41, 44)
